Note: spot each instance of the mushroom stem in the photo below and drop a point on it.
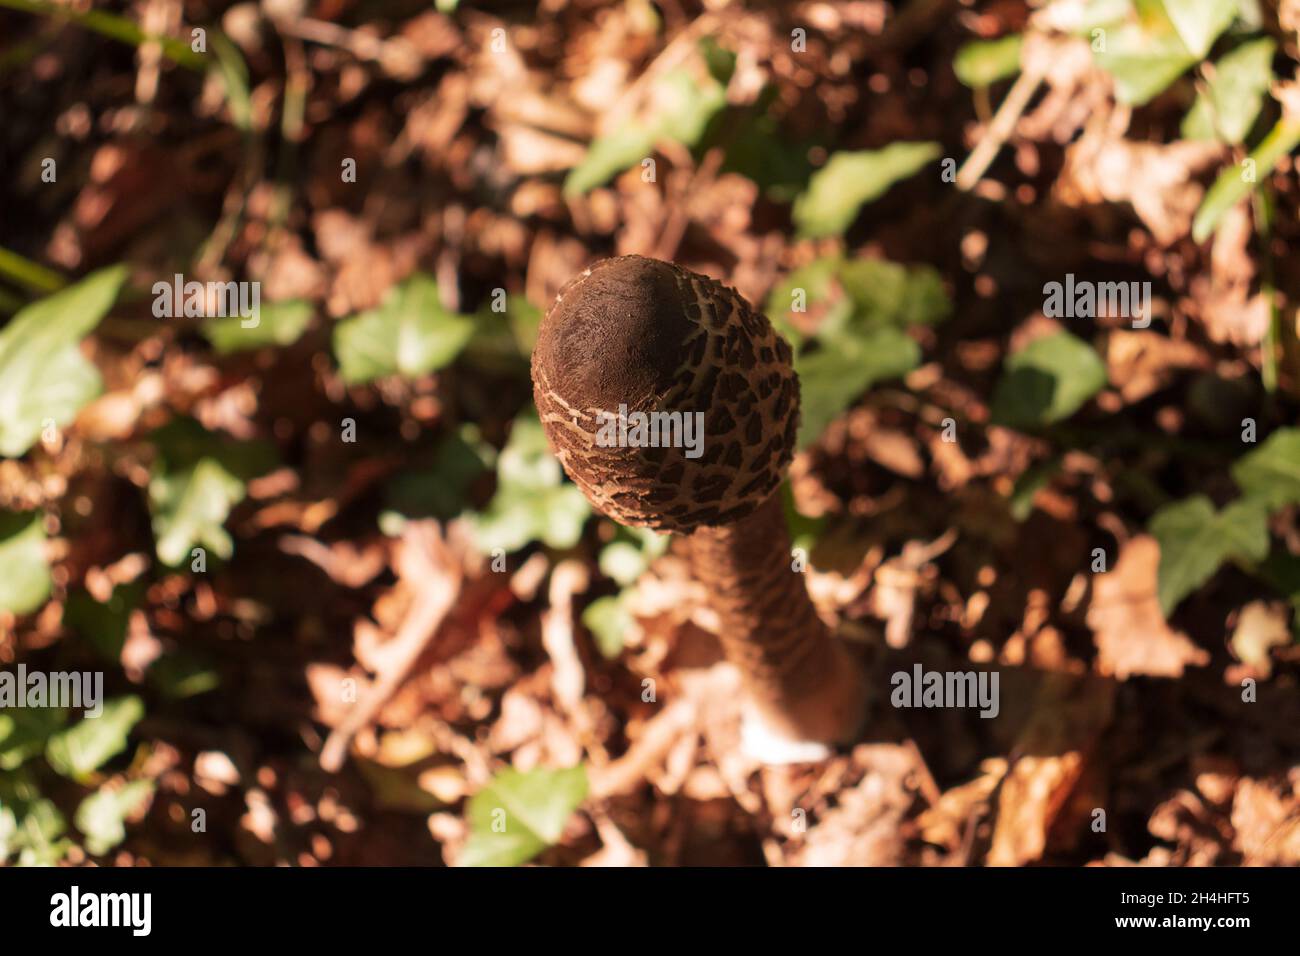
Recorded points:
(802, 683)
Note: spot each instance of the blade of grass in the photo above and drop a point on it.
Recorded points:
(1231, 187)
(114, 27)
(1263, 204)
(27, 273)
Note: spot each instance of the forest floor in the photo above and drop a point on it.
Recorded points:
(366, 565)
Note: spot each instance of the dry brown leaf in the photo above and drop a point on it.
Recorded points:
(1267, 824)
(1129, 628)
(1261, 627)
(1157, 180)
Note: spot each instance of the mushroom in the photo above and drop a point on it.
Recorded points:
(635, 336)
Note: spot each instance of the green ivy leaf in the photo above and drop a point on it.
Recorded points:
(88, 744)
(625, 558)
(411, 334)
(24, 571)
(608, 619)
(1199, 22)
(981, 63)
(198, 478)
(1143, 58)
(1271, 473)
(24, 731)
(39, 826)
(1195, 541)
(1047, 381)
(1233, 184)
(42, 372)
(862, 306)
(103, 625)
(682, 108)
(279, 324)
(517, 815)
(437, 491)
(1227, 108)
(533, 502)
(831, 378)
(850, 180)
(101, 817)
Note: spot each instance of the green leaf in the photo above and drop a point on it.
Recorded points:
(24, 731)
(682, 107)
(103, 625)
(101, 817)
(1027, 486)
(1234, 184)
(24, 572)
(88, 744)
(37, 837)
(762, 151)
(198, 478)
(862, 306)
(517, 815)
(279, 324)
(608, 620)
(1195, 541)
(817, 284)
(1199, 22)
(42, 372)
(832, 378)
(179, 675)
(8, 830)
(1143, 59)
(437, 491)
(1271, 473)
(850, 180)
(858, 296)
(411, 334)
(1047, 381)
(625, 558)
(981, 63)
(1228, 107)
(533, 502)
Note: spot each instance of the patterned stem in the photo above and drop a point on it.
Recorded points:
(803, 680)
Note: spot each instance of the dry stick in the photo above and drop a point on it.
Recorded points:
(636, 336)
(1008, 114)
(418, 629)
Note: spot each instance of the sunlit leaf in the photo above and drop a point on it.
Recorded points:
(1195, 541)
(24, 569)
(1143, 59)
(1237, 181)
(533, 501)
(1047, 381)
(1199, 22)
(1271, 473)
(982, 63)
(198, 477)
(681, 106)
(43, 375)
(411, 334)
(832, 377)
(91, 742)
(517, 815)
(1228, 107)
(609, 620)
(101, 817)
(849, 180)
(278, 324)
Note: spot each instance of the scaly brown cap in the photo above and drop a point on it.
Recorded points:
(654, 337)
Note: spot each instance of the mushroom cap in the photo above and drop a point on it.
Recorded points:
(635, 335)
